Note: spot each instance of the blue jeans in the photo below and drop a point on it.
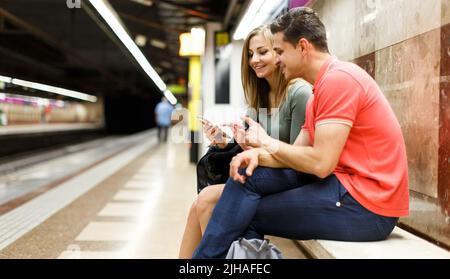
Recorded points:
(287, 203)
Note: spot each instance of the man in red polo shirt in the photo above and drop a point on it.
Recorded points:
(351, 142)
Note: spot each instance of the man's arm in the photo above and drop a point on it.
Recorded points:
(267, 160)
(320, 159)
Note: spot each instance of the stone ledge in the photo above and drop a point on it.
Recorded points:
(400, 245)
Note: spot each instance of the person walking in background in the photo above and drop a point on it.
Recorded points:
(163, 115)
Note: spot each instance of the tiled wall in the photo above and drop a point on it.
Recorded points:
(405, 46)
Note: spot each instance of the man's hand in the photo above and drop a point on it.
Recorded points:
(248, 159)
(255, 135)
(239, 135)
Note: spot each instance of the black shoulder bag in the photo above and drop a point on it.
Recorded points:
(214, 166)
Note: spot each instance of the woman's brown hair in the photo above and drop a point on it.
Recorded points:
(256, 90)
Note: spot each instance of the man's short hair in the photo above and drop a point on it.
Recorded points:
(299, 23)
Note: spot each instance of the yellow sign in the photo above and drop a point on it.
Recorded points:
(177, 89)
(222, 38)
(193, 43)
(195, 73)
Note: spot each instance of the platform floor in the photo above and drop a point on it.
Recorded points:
(139, 210)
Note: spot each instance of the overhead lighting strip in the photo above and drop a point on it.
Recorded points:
(54, 89)
(5, 79)
(49, 88)
(170, 97)
(111, 18)
(258, 12)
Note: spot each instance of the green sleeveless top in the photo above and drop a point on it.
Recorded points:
(286, 122)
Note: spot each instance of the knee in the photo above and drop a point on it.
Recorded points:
(206, 200)
(251, 182)
(193, 208)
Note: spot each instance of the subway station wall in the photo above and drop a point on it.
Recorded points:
(71, 112)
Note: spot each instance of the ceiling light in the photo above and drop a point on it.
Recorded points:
(5, 79)
(257, 13)
(170, 97)
(193, 43)
(49, 88)
(109, 15)
(166, 64)
(140, 40)
(54, 89)
(147, 3)
(158, 43)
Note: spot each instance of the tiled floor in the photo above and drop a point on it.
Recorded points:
(138, 212)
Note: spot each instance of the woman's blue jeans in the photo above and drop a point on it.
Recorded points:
(290, 204)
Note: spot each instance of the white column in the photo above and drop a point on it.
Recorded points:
(237, 99)
(208, 78)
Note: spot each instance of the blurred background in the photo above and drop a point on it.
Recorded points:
(80, 80)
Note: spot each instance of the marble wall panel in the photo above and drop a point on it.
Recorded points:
(445, 12)
(367, 62)
(365, 27)
(444, 122)
(359, 27)
(408, 74)
(338, 16)
(398, 20)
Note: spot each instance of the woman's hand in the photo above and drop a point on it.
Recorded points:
(214, 134)
(248, 159)
(239, 135)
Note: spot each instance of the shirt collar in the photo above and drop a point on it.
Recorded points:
(322, 71)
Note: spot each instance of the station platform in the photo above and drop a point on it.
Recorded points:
(125, 197)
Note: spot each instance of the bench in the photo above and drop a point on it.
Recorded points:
(399, 245)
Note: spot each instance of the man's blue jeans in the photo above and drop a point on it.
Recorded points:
(284, 202)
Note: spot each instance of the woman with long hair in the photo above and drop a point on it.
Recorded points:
(273, 99)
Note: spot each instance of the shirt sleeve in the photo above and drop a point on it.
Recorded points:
(252, 113)
(338, 99)
(301, 92)
(308, 110)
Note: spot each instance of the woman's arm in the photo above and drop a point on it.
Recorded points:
(300, 94)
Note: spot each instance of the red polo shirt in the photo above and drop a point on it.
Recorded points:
(373, 165)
